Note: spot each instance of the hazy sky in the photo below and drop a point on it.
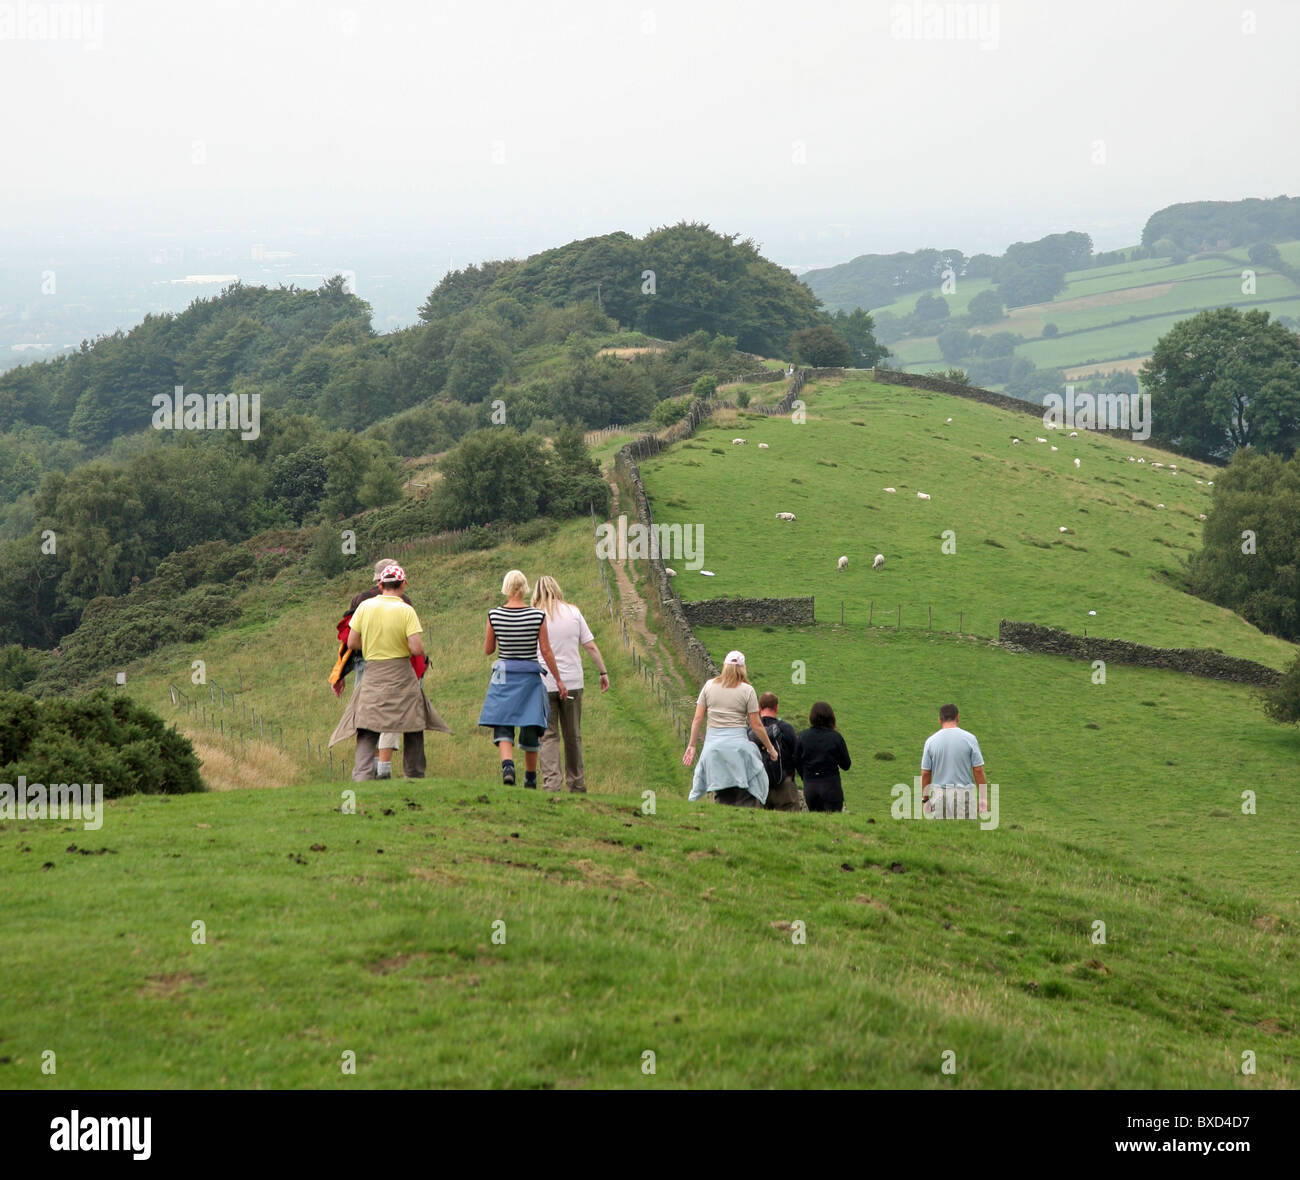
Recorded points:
(820, 129)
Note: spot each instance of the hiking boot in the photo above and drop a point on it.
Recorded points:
(530, 779)
(508, 772)
(383, 769)
(577, 790)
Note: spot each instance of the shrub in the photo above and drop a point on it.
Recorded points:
(1282, 700)
(668, 411)
(706, 385)
(742, 398)
(99, 739)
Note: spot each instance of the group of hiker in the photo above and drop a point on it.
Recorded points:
(750, 756)
(380, 637)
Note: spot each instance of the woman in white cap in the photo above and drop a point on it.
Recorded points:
(730, 767)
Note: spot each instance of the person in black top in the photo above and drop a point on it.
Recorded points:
(819, 758)
(786, 797)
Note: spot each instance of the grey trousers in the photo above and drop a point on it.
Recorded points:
(565, 718)
(363, 767)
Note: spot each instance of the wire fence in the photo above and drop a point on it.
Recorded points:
(245, 724)
(901, 617)
(645, 669)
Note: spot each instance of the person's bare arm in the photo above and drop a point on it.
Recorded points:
(489, 640)
(983, 788)
(544, 646)
(354, 639)
(598, 660)
(760, 731)
(689, 756)
(925, 786)
(415, 644)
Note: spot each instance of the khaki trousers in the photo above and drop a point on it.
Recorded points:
(564, 718)
(786, 797)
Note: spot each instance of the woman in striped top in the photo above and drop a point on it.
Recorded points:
(516, 695)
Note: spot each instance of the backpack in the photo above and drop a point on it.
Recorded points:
(775, 771)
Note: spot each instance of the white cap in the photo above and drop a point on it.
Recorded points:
(735, 657)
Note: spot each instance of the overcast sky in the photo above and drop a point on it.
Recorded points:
(820, 129)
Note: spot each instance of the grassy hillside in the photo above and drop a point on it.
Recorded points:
(283, 652)
(1005, 504)
(740, 948)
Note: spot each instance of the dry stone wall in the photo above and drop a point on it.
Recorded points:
(1193, 661)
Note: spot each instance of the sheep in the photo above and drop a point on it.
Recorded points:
(1159, 505)
(891, 489)
(1157, 464)
(737, 442)
(1203, 516)
(1141, 460)
(669, 572)
(879, 563)
(785, 516)
(1056, 448)
(763, 447)
(1015, 442)
(843, 563)
(1074, 434)
(707, 573)
(1209, 483)
(1062, 529)
(922, 495)
(1173, 466)
(1037, 439)
(949, 419)
(1131, 459)
(1076, 462)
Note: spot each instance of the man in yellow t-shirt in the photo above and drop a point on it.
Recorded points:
(385, 625)
(387, 632)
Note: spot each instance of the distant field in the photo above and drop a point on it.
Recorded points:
(1094, 314)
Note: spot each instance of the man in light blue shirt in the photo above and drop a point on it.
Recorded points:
(951, 765)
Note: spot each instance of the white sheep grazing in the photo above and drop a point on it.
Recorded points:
(922, 495)
(879, 563)
(1056, 448)
(1204, 517)
(1062, 529)
(1074, 434)
(737, 442)
(949, 419)
(1141, 460)
(1209, 483)
(1076, 462)
(1037, 439)
(785, 516)
(1015, 442)
(670, 573)
(1173, 467)
(843, 563)
(1157, 464)
(763, 446)
(1131, 459)
(1159, 505)
(891, 489)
